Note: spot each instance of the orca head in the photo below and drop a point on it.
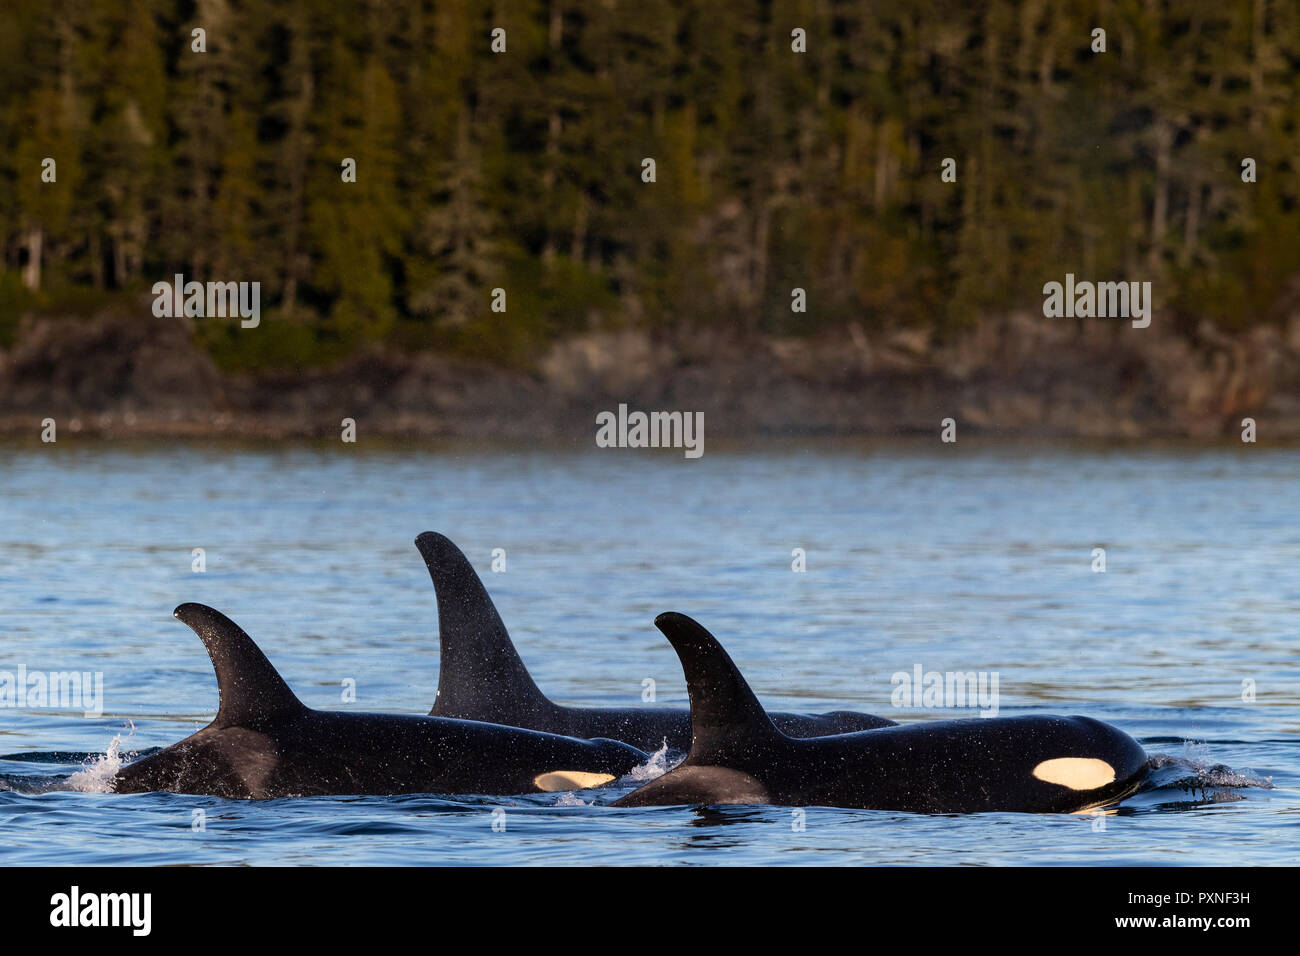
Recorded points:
(1102, 765)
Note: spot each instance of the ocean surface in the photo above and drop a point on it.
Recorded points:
(951, 558)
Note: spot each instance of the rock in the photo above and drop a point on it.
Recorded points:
(604, 363)
(141, 363)
(1017, 374)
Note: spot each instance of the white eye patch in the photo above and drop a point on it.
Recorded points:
(1077, 773)
(558, 780)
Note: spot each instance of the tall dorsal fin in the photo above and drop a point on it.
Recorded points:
(481, 676)
(250, 689)
(725, 714)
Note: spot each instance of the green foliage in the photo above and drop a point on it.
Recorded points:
(776, 169)
(281, 343)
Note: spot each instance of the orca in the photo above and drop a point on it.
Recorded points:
(265, 743)
(483, 678)
(1031, 764)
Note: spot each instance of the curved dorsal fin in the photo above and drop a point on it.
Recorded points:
(481, 676)
(725, 714)
(250, 689)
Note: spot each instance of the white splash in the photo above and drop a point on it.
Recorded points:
(658, 765)
(571, 799)
(97, 774)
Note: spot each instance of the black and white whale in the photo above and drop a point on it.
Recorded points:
(266, 743)
(483, 678)
(1032, 763)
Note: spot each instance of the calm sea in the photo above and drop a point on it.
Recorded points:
(970, 557)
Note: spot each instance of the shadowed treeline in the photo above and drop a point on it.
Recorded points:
(523, 169)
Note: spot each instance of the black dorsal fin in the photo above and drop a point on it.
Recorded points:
(481, 676)
(725, 715)
(250, 689)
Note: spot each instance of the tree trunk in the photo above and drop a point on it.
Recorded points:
(1192, 224)
(298, 148)
(553, 128)
(32, 270)
(1160, 204)
(1256, 66)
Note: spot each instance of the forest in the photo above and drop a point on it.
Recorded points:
(796, 145)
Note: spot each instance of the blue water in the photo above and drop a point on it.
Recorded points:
(957, 558)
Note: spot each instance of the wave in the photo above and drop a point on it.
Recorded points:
(1193, 772)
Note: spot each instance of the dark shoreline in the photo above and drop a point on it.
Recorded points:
(1015, 377)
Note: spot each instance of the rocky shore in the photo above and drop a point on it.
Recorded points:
(1019, 375)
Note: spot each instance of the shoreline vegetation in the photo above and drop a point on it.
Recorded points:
(500, 219)
(120, 375)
